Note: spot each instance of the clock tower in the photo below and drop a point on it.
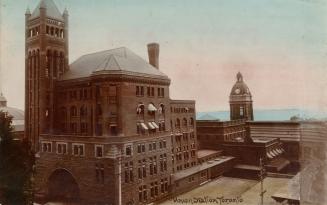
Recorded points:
(240, 100)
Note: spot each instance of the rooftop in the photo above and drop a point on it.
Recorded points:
(201, 167)
(52, 10)
(114, 61)
(206, 152)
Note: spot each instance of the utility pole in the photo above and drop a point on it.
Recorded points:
(262, 176)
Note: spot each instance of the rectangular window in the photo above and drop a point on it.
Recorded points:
(78, 149)
(142, 91)
(61, 148)
(128, 150)
(138, 91)
(47, 147)
(152, 91)
(98, 151)
(139, 148)
(148, 89)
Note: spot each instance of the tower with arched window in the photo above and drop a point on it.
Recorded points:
(46, 59)
(240, 100)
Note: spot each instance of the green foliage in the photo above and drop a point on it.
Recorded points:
(16, 166)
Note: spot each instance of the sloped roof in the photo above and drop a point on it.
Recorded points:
(52, 10)
(17, 114)
(119, 60)
(208, 117)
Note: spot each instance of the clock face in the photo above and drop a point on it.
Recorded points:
(237, 91)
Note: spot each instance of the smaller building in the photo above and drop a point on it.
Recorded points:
(18, 117)
(212, 133)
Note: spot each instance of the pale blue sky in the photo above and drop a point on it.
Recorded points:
(279, 45)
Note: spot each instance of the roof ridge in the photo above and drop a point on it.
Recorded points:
(88, 54)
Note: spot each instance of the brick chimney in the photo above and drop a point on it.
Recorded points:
(153, 51)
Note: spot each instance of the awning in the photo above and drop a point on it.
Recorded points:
(151, 126)
(272, 154)
(276, 153)
(269, 155)
(277, 164)
(152, 108)
(144, 126)
(155, 125)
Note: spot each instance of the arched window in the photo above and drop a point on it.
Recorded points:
(152, 109)
(184, 122)
(178, 123)
(191, 121)
(241, 111)
(73, 111)
(57, 32)
(55, 64)
(52, 31)
(61, 63)
(48, 60)
(63, 117)
(161, 109)
(62, 33)
(83, 111)
(99, 109)
(140, 109)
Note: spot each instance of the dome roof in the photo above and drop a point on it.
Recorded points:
(17, 114)
(240, 88)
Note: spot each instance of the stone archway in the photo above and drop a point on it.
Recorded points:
(62, 186)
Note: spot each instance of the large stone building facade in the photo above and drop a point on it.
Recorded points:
(104, 127)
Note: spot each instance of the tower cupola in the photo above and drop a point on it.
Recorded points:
(240, 100)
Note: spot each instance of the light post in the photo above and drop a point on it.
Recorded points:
(262, 176)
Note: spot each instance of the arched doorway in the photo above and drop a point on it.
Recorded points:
(62, 186)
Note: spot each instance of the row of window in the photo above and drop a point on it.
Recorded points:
(152, 165)
(77, 149)
(150, 127)
(186, 122)
(150, 91)
(181, 110)
(184, 136)
(154, 189)
(52, 31)
(185, 147)
(152, 109)
(186, 166)
(86, 93)
(185, 154)
(152, 146)
(56, 32)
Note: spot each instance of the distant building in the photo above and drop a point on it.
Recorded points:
(17, 117)
(249, 140)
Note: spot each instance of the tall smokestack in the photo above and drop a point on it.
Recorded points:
(153, 51)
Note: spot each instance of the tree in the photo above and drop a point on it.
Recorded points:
(16, 166)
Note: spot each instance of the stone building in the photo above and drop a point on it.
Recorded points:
(104, 127)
